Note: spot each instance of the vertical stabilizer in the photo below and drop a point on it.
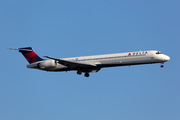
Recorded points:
(29, 54)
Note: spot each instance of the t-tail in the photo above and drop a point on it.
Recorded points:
(29, 54)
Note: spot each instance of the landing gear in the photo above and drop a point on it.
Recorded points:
(86, 74)
(162, 65)
(79, 72)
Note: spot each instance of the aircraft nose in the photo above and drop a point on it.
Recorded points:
(166, 58)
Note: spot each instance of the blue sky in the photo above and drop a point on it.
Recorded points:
(77, 28)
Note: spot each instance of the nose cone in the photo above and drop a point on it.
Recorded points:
(166, 58)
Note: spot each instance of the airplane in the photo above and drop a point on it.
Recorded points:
(92, 64)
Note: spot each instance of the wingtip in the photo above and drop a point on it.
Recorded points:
(47, 57)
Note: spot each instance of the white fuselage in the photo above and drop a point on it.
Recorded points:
(108, 60)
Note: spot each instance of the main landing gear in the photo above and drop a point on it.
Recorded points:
(162, 65)
(80, 72)
(86, 74)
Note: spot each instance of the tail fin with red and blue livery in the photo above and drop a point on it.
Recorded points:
(29, 54)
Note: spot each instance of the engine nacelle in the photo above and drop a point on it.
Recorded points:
(47, 64)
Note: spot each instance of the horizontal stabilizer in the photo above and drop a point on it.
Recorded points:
(20, 49)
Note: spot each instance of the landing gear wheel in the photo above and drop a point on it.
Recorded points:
(86, 74)
(162, 65)
(79, 72)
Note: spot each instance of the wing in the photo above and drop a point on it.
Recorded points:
(71, 64)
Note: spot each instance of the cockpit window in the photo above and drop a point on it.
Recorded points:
(158, 52)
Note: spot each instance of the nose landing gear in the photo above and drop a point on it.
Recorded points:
(162, 65)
